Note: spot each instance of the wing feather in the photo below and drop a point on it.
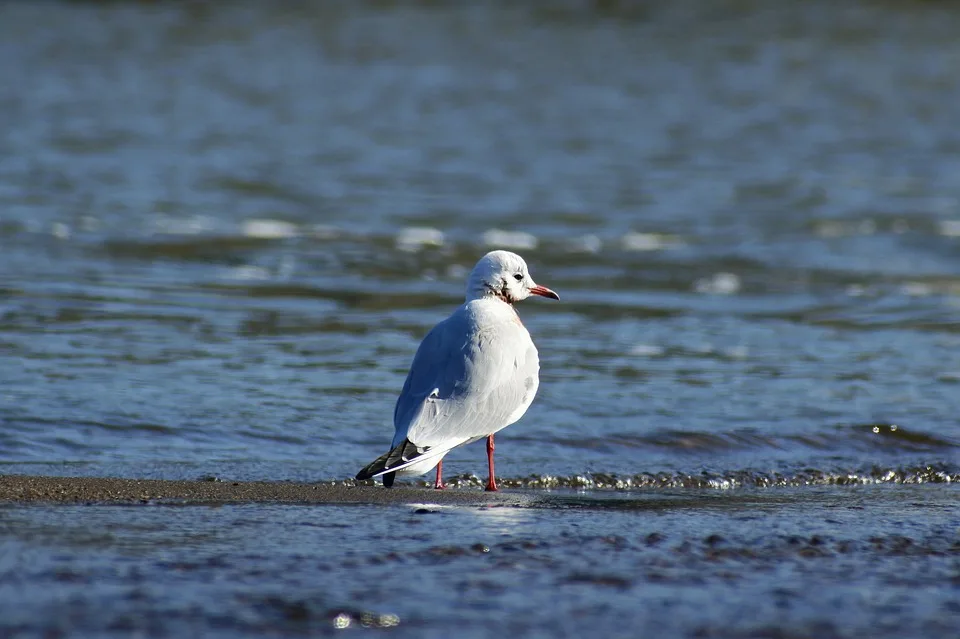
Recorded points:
(465, 384)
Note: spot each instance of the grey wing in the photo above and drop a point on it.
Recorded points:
(464, 384)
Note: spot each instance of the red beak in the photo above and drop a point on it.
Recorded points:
(543, 291)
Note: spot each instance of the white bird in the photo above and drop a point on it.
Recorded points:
(475, 373)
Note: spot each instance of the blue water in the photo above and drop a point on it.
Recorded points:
(224, 229)
(790, 563)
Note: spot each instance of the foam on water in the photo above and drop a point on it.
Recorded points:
(413, 239)
(940, 474)
(950, 228)
(634, 241)
(718, 284)
(269, 229)
(515, 240)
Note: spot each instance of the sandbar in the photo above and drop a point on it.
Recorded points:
(74, 490)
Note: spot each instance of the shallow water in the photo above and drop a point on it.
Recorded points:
(826, 562)
(224, 230)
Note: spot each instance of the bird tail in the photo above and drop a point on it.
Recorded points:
(406, 454)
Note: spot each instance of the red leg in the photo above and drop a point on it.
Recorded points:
(439, 485)
(492, 481)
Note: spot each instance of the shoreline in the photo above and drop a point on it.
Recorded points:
(104, 490)
(66, 490)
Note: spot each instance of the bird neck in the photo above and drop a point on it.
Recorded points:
(489, 291)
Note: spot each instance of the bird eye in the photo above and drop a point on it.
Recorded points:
(518, 276)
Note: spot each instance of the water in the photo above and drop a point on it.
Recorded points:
(778, 563)
(224, 230)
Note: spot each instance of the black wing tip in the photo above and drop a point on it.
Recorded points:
(378, 465)
(366, 473)
(395, 457)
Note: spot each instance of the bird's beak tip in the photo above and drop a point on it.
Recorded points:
(543, 291)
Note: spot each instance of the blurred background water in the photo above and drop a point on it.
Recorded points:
(225, 227)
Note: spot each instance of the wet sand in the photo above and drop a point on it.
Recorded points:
(72, 490)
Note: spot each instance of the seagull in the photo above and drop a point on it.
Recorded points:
(475, 373)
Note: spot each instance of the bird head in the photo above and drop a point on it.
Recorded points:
(504, 275)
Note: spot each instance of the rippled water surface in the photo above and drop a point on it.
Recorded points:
(224, 229)
(871, 561)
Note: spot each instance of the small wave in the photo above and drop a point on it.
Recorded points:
(61, 231)
(124, 426)
(950, 228)
(189, 225)
(499, 238)
(863, 437)
(269, 229)
(931, 474)
(203, 248)
(892, 435)
(634, 241)
(718, 284)
(844, 228)
(416, 238)
(248, 272)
